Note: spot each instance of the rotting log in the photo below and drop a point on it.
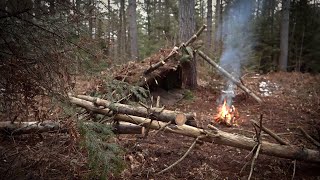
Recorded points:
(154, 112)
(229, 76)
(174, 51)
(18, 128)
(215, 136)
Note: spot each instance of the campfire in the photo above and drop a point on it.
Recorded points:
(227, 114)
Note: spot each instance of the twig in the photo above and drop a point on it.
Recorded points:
(179, 160)
(158, 102)
(253, 160)
(315, 142)
(294, 169)
(258, 146)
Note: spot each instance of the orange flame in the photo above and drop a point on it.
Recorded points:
(227, 114)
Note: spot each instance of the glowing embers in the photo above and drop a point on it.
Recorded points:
(227, 114)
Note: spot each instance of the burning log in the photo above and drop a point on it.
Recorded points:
(156, 113)
(174, 52)
(228, 75)
(227, 114)
(18, 128)
(215, 136)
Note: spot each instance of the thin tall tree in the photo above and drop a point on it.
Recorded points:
(133, 30)
(284, 36)
(209, 27)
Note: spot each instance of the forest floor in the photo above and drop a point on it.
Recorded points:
(293, 100)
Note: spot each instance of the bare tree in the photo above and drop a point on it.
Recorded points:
(186, 29)
(284, 36)
(133, 30)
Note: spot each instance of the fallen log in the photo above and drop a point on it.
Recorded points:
(224, 138)
(229, 76)
(154, 112)
(174, 51)
(215, 136)
(18, 128)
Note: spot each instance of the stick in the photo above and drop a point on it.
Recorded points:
(158, 102)
(294, 169)
(253, 160)
(179, 160)
(315, 142)
(272, 134)
(174, 51)
(229, 76)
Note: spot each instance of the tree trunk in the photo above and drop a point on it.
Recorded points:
(121, 36)
(186, 29)
(218, 27)
(284, 36)
(90, 8)
(133, 30)
(209, 27)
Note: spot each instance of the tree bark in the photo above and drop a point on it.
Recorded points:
(284, 36)
(186, 28)
(156, 113)
(133, 30)
(229, 76)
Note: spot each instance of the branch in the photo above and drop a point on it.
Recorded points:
(229, 76)
(315, 142)
(179, 160)
(272, 134)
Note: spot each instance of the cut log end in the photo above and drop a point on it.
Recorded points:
(180, 119)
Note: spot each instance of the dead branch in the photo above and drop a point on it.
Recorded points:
(179, 160)
(315, 142)
(174, 51)
(272, 134)
(294, 169)
(253, 160)
(229, 76)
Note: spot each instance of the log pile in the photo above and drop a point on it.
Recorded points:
(212, 135)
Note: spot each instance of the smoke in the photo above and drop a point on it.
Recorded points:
(237, 42)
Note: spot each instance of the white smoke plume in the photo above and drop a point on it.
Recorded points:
(237, 42)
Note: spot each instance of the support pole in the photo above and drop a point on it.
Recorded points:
(229, 76)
